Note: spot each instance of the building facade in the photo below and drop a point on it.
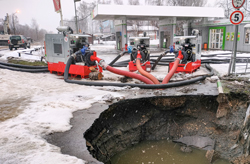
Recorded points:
(219, 34)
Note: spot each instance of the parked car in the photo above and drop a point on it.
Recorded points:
(17, 41)
(29, 39)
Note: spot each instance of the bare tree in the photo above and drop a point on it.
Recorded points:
(104, 1)
(155, 2)
(227, 6)
(83, 13)
(135, 23)
(35, 26)
(133, 2)
(246, 8)
(1, 29)
(118, 2)
(85, 21)
(14, 22)
(155, 23)
(186, 2)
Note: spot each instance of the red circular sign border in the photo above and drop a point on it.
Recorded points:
(238, 7)
(236, 12)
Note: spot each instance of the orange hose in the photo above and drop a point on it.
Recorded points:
(129, 74)
(121, 72)
(172, 71)
(144, 73)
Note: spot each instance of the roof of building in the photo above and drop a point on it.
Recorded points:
(136, 12)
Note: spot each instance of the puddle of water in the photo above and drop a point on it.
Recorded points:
(161, 152)
(10, 108)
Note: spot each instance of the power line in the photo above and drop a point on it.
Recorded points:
(84, 17)
(78, 19)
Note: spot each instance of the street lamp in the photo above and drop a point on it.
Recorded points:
(75, 14)
(13, 21)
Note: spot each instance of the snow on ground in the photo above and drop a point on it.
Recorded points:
(222, 69)
(36, 55)
(46, 106)
(105, 42)
(154, 42)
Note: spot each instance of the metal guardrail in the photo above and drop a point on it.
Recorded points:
(242, 64)
(247, 66)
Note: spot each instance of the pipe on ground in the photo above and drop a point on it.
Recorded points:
(157, 61)
(172, 71)
(142, 86)
(24, 69)
(117, 58)
(24, 66)
(121, 72)
(143, 72)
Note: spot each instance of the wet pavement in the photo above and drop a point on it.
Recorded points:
(72, 142)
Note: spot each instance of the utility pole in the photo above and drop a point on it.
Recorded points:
(61, 23)
(13, 21)
(14, 24)
(58, 9)
(235, 18)
(235, 46)
(76, 16)
(6, 24)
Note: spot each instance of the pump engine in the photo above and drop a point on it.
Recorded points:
(59, 47)
(145, 56)
(191, 50)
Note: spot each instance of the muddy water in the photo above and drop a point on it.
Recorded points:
(161, 152)
(11, 108)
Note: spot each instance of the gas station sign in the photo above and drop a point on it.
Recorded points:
(57, 5)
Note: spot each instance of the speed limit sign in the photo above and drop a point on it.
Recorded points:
(236, 17)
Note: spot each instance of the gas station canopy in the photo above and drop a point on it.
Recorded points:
(136, 12)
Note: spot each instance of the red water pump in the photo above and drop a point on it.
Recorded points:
(145, 57)
(80, 68)
(59, 47)
(191, 48)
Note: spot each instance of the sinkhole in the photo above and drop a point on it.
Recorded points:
(212, 124)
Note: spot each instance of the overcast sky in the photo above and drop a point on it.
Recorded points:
(41, 10)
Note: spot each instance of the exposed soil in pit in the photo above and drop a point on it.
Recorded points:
(129, 122)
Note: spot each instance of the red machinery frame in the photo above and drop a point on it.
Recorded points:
(132, 66)
(74, 70)
(190, 67)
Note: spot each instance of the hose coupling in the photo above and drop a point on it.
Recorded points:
(178, 59)
(102, 63)
(123, 53)
(74, 55)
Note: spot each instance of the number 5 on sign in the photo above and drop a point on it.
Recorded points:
(236, 17)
